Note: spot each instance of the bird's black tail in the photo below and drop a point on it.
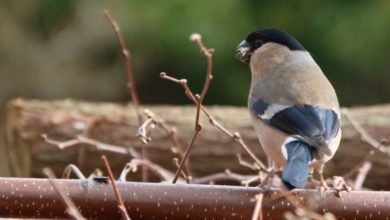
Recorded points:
(296, 170)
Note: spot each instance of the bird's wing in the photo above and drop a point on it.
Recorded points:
(314, 125)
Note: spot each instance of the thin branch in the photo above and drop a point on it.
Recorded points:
(71, 207)
(144, 131)
(257, 212)
(356, 169)
(362, 174)
(340, 185)
(208, 53)
(126, 55)
(246, 164)
(186, 154)
(132, 166)
(81, 139)
(131, 83)
(96, 173)
(184, 175)
(234, 136)
(118, 196)
(227, 175)
(172, 134)
(71, 168)
(365, 136)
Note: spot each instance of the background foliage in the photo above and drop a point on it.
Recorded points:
(60, 49)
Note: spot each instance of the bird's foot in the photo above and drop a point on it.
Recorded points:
(323, 185)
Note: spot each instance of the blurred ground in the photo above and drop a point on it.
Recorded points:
(60, 49)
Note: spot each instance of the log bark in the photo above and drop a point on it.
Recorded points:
(116, 124)
(36, 198)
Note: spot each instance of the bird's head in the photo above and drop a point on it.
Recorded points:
(258, 38)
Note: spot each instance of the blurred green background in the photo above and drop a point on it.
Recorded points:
(67, 49)
(60, 49)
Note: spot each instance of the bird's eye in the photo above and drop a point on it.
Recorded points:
(258, 43)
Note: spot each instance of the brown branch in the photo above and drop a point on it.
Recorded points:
(81, 139)
(164, 174)
(118, 196)
(126, 55)
(145, 130)
(227, 175)
(172, 134)
(356, 169)
(257, 212)
(229, 202)
(71, 207)
(185, 176)
(131, 83)
(198, 98)
(234, 136)
(246, 164)
(186, 154)
(365, 136)
(362, 174)
(209, 75)
(144, 134)
(71, 168)
(96, 173)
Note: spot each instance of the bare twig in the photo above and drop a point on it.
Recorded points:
(144, 131)
(118, 196)
(340, 185)
(365, 136)
(357, 168)
(126, 55)
(132, 166)
(234, 136)
(244, 163)
(186, 154)
(362, 174)
(185, 176)
(257, 212)
(172, 134)
(96, 173)
(208, 53)
(227, 175)
(81, 139)
(71, 207)
(131, 83)
(71, 168)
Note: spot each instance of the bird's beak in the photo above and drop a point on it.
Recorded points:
(243, 52)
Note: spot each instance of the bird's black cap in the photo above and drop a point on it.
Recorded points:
(258, 38)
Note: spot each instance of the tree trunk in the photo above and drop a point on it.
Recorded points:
(213, 151)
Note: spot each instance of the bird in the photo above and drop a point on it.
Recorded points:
(292, 104)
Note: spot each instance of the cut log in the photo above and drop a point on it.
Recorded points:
(27, 120)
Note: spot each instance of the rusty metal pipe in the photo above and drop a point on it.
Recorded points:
(36, 198)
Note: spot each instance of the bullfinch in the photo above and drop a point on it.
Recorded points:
(293, 106)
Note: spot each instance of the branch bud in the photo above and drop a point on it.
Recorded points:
(195, 37)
